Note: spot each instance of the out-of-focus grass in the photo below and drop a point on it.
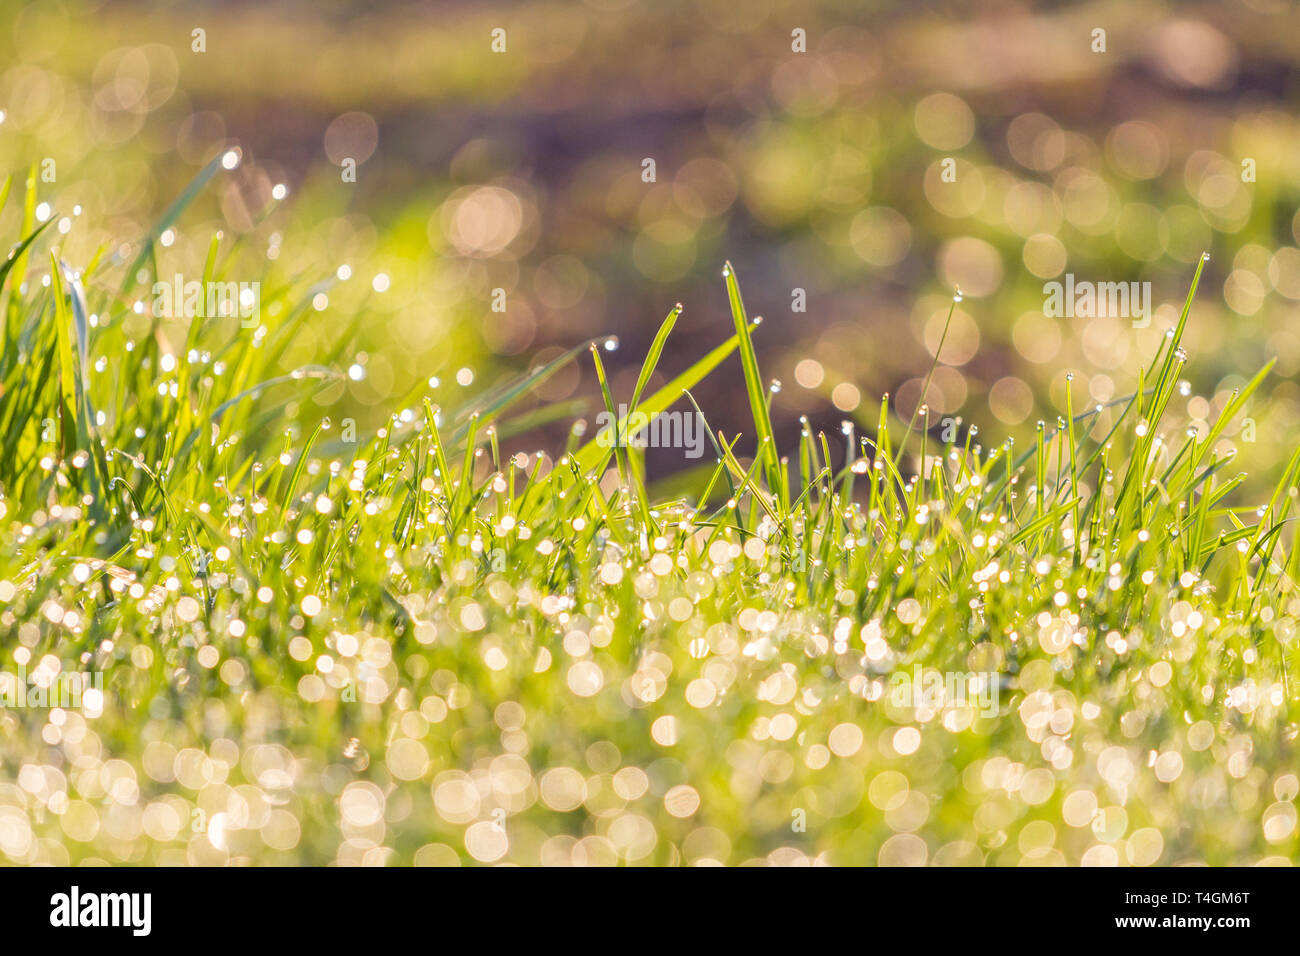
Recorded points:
(413, 648)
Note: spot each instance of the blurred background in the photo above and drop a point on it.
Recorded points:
(806, 142)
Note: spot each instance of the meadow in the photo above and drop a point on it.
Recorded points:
(648, 434)
(408, 647)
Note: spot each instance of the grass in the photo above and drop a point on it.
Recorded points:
(413, 648)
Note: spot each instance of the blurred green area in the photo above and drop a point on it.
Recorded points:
(819, 171)
(522, 171)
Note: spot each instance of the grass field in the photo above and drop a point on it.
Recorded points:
(321, 645)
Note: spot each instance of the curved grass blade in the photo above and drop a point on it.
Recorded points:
(169, 216)
(756, 391)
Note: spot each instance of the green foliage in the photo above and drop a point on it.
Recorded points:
(413, 648)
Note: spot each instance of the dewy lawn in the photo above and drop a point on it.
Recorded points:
(873, 646)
